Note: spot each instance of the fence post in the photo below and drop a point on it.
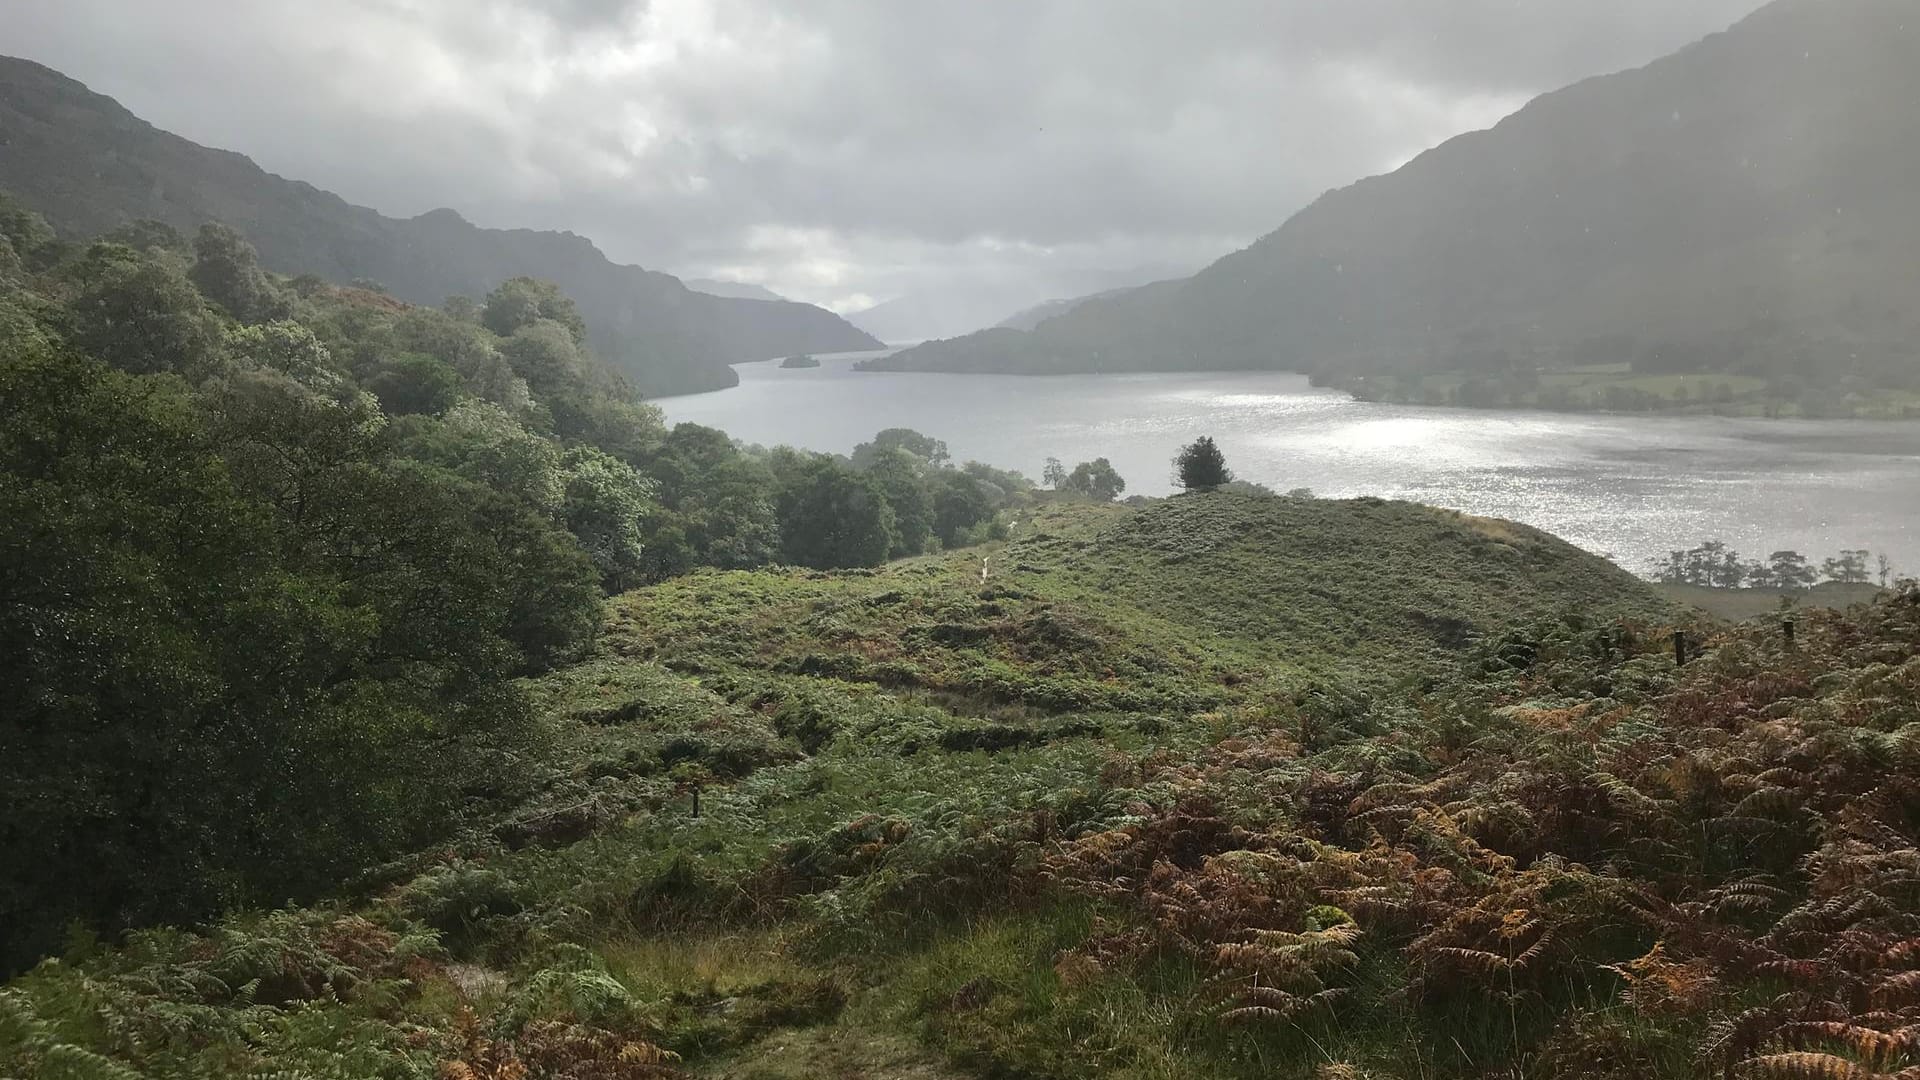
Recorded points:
(1679, 647)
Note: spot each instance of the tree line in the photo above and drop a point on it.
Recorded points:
(1198, 467)
(274, 554)
(1715, 565)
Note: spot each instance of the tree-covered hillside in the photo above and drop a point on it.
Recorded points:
(1738, 208)
(89, 166)
(272, 553)
(910, 823)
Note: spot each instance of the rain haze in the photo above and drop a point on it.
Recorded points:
(847, 152)
(960, 539)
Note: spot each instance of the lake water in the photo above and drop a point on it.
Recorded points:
(1628, 487)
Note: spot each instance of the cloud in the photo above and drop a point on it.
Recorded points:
(849, 149)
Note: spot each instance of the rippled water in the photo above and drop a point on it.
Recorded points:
(1624, 486)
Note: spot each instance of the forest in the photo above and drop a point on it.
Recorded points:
(276, 551)
(391, 694)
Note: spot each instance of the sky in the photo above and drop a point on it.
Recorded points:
(847, 152)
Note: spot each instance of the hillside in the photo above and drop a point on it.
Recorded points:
(88, 165)
(1739, 206)
(737, 290)
(1078, 820)
(1116, 607)
(1029, 318)
(920, 317)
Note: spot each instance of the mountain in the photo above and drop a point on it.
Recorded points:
(1745, 204)
(735, 290)
(1030, 318)
(921, 317)
(89, 165)
(964, 306)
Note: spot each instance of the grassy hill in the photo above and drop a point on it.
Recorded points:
(1207, 787)
(793, 823)
(1192, 593)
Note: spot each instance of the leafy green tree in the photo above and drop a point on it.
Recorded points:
(1096, 479)
(139, 314)
(900, 476)
(605, 507)
(284, 346)
(1790, 570)
(550, 586)
(521, 302)
(610, 419)
(150, 236)
(1054, 475)
(28, 322)
(547, 357)
(465, 346)
(716, 505)
(831, 516)
(227, 271)
(1849, 567)
(233, 681)
(413, 383)
(1201, 466)
(1004, 485)
(482, 443)
(26, 240)
(923, 448)
(294, 445)
(961, 505)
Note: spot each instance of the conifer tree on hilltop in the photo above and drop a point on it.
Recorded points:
(1201, 466)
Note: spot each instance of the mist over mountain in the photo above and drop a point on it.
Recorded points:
(89, 165)
(970, 306)
(735, 290)
(1031, 318)
(1744, 204)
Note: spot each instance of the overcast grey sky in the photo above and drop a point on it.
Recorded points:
(847, 151)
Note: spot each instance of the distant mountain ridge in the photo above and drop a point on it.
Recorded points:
(964, 307)
(88, 165)
(736, 290)
(1746, 203)
(1031, 318)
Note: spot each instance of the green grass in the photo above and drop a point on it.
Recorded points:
(918, 795)
(1166, 604)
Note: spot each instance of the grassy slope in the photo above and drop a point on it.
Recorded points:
(1187, 586)
(891, 766)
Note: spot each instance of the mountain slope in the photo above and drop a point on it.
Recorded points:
(1744, 203)
(1029, 319)
(89, 165)
(737, 290)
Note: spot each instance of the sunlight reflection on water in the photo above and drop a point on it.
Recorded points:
(1629, 487)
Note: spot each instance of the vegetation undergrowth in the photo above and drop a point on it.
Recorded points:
(306, 596)
(908, 822)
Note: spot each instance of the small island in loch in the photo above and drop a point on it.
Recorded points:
(800, 360)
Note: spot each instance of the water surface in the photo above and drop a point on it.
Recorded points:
(1628, 487)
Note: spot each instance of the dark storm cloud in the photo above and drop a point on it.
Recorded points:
(842, 149)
